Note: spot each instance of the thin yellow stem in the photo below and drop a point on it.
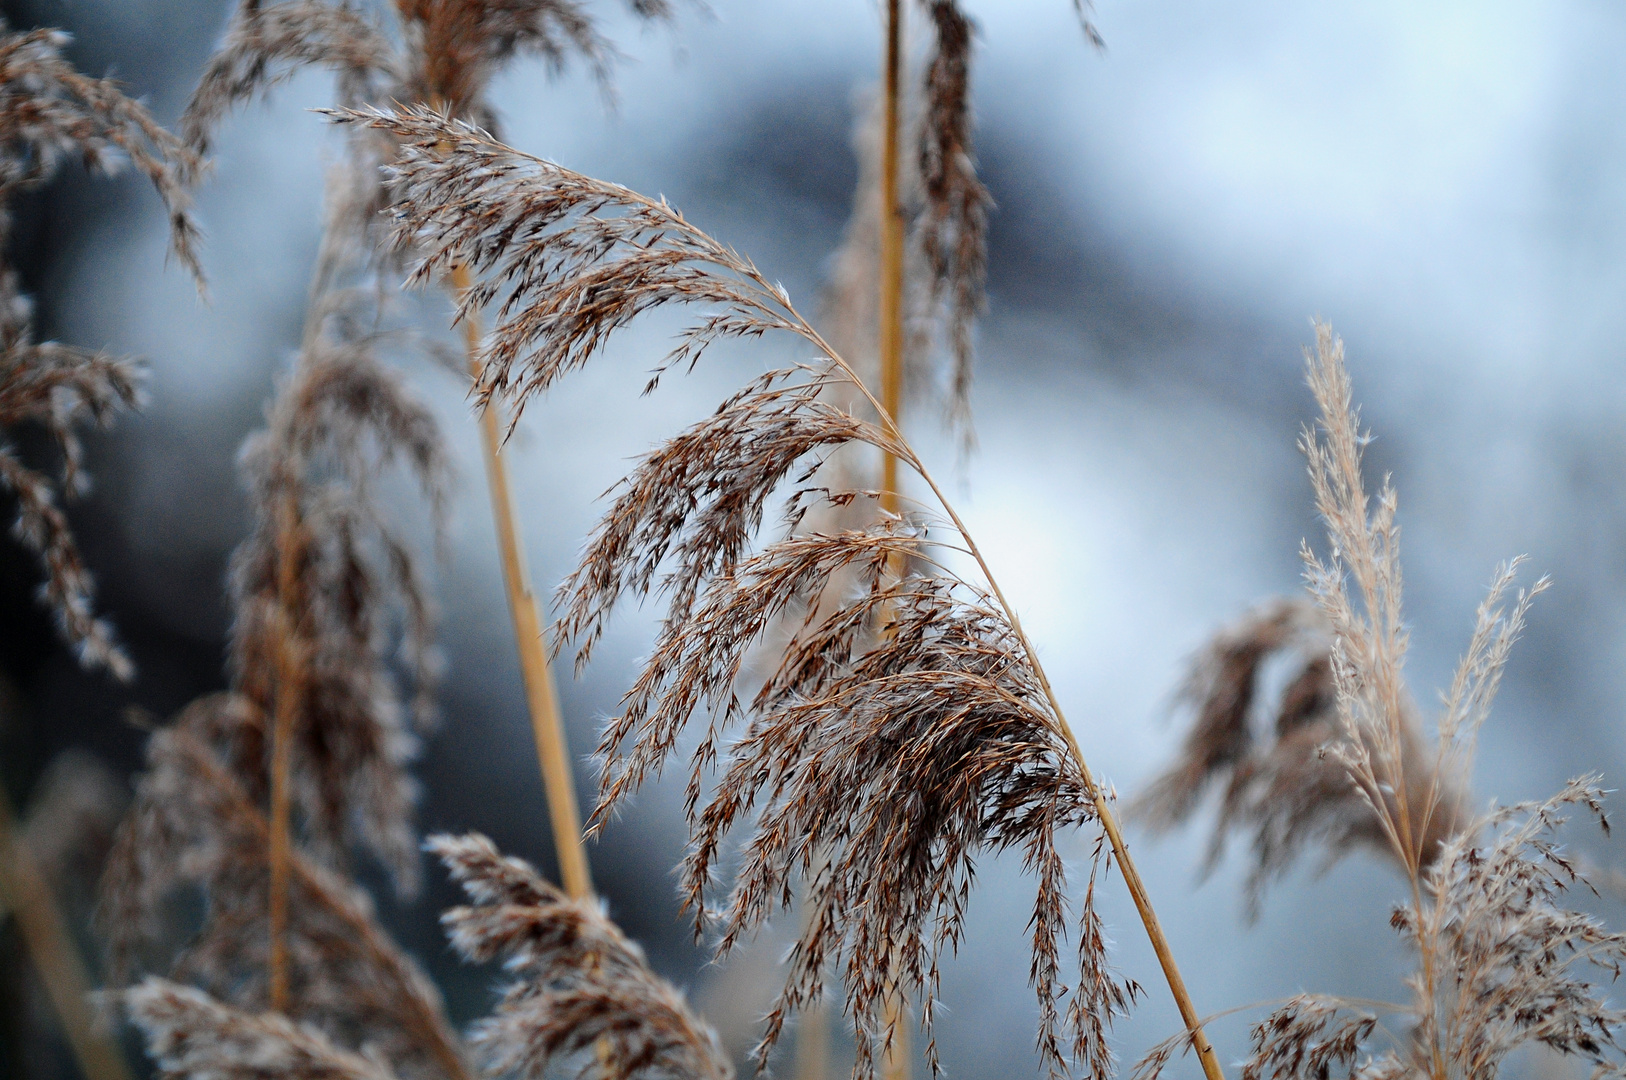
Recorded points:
(541, 695)
(895, 1061)
(891, 300)
(45, 932)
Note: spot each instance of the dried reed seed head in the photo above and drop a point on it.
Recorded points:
(1501, 962)
(902, 755)
(192, 1036)
(1510, 966)
(49, 111)
(194, 827)
(456, 45)
(953, 229)
(1517, 966)
(585, 995)
(354, 590)
(1281, 784)
(269, 44)
(1349, 764)
(571, 258)
(1416, 795)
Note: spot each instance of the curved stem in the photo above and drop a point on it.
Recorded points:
(767, 299)
(1098, 797)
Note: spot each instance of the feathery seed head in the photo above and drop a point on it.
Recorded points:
(584, 992)
(906, 730)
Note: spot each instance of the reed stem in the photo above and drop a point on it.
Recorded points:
(895, 1061)
(23, 889)
(891, 300)
(547, 724)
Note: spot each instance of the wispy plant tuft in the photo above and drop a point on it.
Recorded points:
(50, 112)
(195, 830)
(1280, 783)
(901, 756)
(190, 1034)
(1501, 961)
(322, 587)
(585, 996)
(953, 228)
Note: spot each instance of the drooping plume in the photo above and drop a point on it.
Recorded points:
(902, 757)
(954, 222)
(1268, 757)
(50, 112)
(1501, 961)
(324, 586)
(584, 992)
(195, 830)
(191, 1035)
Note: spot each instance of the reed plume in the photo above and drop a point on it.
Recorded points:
(195, 830)
(1501, 961)
(442, 52)
(49, 112)
(1347, 764)
(324, 586)
(1280, 785)
(902, 759)
(189, 1034)
(953, 227)
(1502, 964)
(585, 996)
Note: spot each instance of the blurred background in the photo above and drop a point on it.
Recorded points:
(1444, 182)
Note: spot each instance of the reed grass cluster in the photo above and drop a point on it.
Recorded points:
(863, 715)
(50, 112)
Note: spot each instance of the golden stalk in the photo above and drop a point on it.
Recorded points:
(895, 1062)
(541, 695)
(891, 306)
(23, 889)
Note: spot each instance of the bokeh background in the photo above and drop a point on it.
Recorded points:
(1445, 182)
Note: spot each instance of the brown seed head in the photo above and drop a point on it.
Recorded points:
(585, 995)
